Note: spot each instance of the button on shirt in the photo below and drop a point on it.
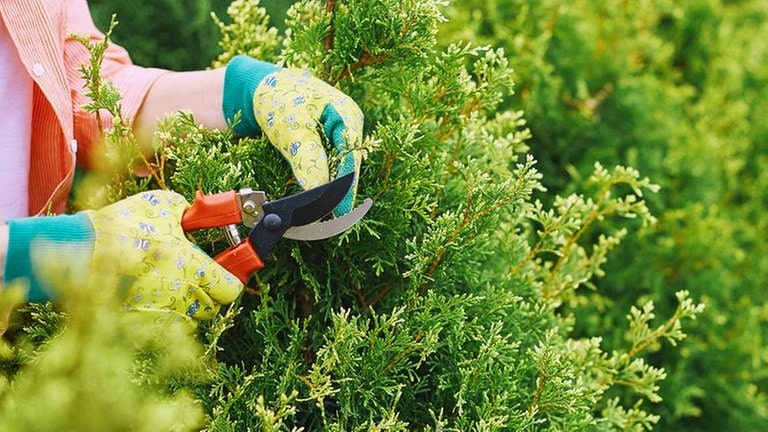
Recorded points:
(62, 133)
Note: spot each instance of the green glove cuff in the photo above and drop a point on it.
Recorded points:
(334, 128)
(242, 76)
(61, 236)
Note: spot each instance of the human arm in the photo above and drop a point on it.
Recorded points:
(199, 92)
(290, 107)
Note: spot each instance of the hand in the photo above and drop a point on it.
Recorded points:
(290, 106)
(139, 240)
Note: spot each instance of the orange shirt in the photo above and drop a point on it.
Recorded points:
(63, 134)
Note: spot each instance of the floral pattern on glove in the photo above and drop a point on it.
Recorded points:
(289, 106)
(140, 239)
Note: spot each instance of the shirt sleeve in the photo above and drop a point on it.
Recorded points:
(133, 82)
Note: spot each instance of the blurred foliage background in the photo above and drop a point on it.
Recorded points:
(677, 89)
(177, 35)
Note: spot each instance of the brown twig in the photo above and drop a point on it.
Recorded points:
(252, 291)
(381, 294)
(155, 171)
(403, 354)
(539, 389)
(389, 163)
(472, 106)
(355, 286)
(330, 8)
(366, 59)
(356, 289)
(360, 296)
(590, 104)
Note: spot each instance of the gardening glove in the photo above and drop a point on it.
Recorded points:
(290, 107)
(137, 242)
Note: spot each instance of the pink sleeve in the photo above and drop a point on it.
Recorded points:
(132, 81)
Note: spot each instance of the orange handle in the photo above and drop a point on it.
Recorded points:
(241, 260)
(211, 211)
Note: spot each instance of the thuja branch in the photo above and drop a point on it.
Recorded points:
(104, 96)
(591, 217)
(467, 218)
(542, 238)
(366, 57)
(657, 334)
(97, 91)
(644, 337)
(471, 106)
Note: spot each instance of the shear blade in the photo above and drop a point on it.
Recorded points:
(296, 210)
(336, 226)
(311, 205)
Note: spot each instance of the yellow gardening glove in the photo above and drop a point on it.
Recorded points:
(137, 242)
(291, 107)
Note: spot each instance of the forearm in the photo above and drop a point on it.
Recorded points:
(199, 92)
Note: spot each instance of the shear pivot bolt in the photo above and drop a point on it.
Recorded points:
(272, 222)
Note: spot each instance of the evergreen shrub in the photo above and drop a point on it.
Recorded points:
(679, 90)
(458, 303)
(177, 35)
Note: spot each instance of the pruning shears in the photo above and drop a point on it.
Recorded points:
(295, 217)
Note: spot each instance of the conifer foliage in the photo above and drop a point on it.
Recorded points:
(446, 308)
(678, 90)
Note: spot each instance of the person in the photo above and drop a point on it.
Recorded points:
(136, 245)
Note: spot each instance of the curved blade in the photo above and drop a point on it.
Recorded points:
(309, 206)
(323, 230)
(295, 210)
